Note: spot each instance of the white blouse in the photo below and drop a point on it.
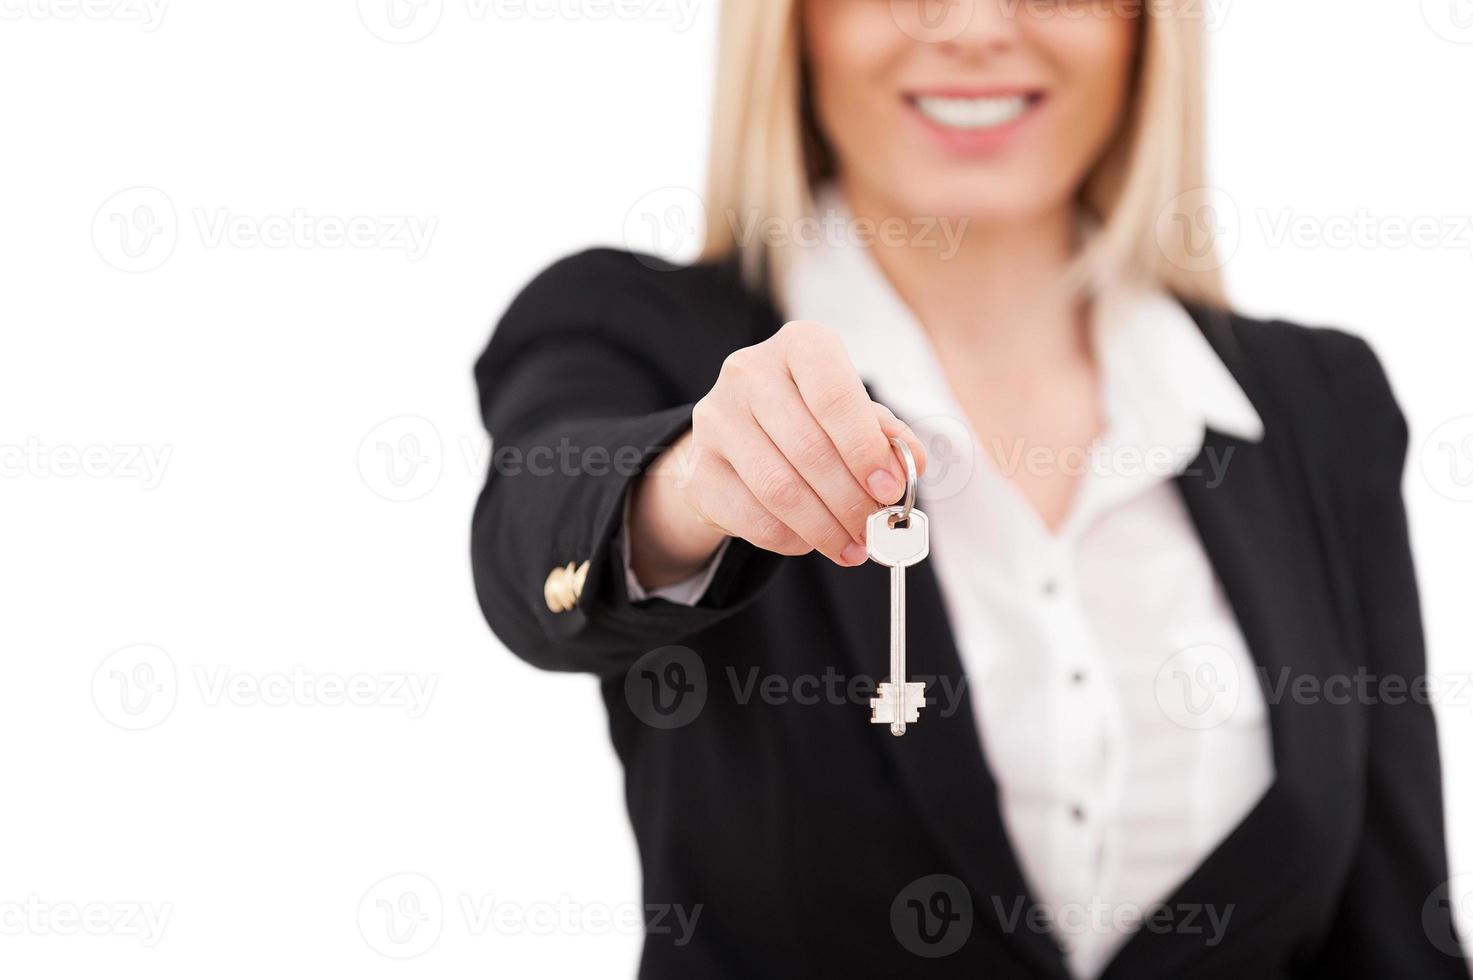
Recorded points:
(1095, 655)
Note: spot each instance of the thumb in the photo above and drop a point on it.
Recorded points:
(893, 427)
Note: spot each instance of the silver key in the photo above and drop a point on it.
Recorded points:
(897, 546)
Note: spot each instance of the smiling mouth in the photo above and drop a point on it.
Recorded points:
(976, 113)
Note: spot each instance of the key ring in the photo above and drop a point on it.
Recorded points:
(909, 462)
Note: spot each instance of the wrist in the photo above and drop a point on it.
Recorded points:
(668, 540)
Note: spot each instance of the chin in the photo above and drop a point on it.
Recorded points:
(978, 198)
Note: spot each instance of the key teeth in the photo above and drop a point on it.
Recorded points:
(882, 708)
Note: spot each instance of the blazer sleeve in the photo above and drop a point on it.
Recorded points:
(1393, 919)
(587, 379)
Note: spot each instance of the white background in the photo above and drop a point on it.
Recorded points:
(274, 384)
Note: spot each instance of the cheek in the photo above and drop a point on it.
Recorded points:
(852, 49)
(1093, 59)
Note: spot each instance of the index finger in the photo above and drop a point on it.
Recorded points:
(830, 387)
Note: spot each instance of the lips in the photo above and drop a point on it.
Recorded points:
(980, 112)
(974, 122)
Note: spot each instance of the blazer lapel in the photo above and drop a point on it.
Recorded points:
(939, 764)
(1255, 520)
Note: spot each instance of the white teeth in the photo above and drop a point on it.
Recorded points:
(972, 113)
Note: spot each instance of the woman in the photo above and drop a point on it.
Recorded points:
(1156, 530)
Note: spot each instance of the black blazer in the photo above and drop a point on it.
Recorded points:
(813, 844)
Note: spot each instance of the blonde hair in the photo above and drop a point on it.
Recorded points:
(766, 152)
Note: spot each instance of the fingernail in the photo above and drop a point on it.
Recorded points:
(854, 554)
(884, 487)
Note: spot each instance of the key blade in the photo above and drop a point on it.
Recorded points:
(883, 708)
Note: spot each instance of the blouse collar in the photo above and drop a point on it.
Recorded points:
(1162, 382)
